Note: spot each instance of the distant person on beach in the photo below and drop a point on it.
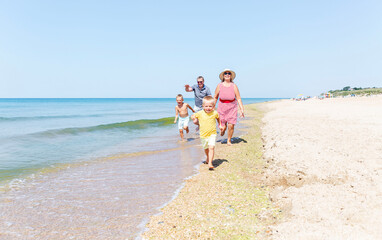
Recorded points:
(228, 94)
(200, 90)
(207, 120)
(181, 110)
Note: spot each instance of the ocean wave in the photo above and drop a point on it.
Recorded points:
(53, 117)
(137, 124)
(14, 119)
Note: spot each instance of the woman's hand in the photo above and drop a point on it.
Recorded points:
(241, 113)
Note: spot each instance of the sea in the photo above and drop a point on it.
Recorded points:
(90, 168)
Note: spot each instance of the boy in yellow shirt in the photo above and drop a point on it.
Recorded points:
(207, 124)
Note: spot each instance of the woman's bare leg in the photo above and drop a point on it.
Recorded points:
(231, 127)
(223, 131)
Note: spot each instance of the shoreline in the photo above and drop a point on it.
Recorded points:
(112, 197)
(146, 220)
(327, 195)
(24, 130)
(234, 198)
(81, 188)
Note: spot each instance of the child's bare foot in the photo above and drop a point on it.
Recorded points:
(211, 168)
(229, 143)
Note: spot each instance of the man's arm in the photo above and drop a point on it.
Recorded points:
(208, 92)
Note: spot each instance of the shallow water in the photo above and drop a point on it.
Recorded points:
(107, 199)
(99, 175)
(40, 133)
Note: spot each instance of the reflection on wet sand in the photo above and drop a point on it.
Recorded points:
(107, 199)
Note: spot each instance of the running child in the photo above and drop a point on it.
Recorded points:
(207, 122)
(181, 110)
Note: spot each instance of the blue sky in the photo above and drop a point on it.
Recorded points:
(152, 48)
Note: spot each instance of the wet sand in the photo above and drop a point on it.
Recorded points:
(228, 203)
(319, 178)
(313, 172)
(111, 198)
(326, 167)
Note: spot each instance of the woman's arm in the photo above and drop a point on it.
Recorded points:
(238, 98)
(217, 90)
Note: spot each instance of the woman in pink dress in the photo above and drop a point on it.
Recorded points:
(229, 96)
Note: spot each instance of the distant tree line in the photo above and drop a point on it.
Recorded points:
(348, 88)
(355, 91)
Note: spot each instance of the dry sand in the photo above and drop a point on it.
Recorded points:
(325, 167)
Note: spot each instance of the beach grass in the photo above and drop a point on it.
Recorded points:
(229, 203)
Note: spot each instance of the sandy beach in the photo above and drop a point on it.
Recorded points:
(110, 193)
(297, 170)
(229, 203)
(306, 170)
(326, 167)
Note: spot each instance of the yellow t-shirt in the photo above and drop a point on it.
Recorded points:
(207, 122)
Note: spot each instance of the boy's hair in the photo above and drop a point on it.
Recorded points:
(208, 99)
(179, 95)
(200, 77)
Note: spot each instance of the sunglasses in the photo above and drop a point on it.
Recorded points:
(200, 81)
(227, 73)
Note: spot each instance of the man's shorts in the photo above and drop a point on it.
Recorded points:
(183, 122)
(208, 142)
(197, 109)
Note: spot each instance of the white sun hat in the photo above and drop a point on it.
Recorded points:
(233, 74)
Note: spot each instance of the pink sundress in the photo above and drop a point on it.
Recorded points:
(227, 106)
